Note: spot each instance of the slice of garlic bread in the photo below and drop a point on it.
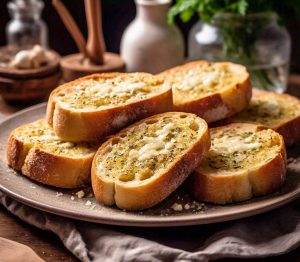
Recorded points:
(95, 106)
(244, 160)
(213, 91)
(39, 154)
(144, 163)
(280, 112)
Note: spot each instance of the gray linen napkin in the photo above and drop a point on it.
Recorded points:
(269, 234)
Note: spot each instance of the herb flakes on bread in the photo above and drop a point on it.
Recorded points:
(39, 154)
(280, 112)
(213, 91)
(144, 163)
(92, 107)
(244, 160)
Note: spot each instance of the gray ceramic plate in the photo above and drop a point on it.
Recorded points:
(66, 203)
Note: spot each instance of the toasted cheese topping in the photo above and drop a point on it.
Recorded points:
(237, 149)
(99, 93)
(155, 145)
(38, 134)
(202, 79)
(231, 144)
(269, 109)
(149, 148)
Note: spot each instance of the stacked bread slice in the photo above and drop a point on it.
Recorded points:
(36, 151)
(245, 160)
(165, 139)
(95, 106)
(58, 151)
(280, 112)
(140, 166)
(213, 91)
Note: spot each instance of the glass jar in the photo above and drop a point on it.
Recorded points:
(26, 27)
(255, 40)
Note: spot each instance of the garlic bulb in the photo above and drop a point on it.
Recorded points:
(30, 59)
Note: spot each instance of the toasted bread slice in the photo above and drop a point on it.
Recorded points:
(95, 106)
(213, 91)
(245, 160)
(280, 112)
(39, 154)
(144, 163)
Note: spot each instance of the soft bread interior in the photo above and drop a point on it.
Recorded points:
(145, 152)
(197, 80)
(39, 135)
(269, 109)
(239, 148)
(109, 90)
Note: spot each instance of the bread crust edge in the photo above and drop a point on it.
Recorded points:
(149, 194)
(243, 185)
(47, 168)
(95, 125)
(290, 130)
(226, 103)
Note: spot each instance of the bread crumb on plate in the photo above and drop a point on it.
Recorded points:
(80, 194)
(88, 203)
(177, 207)
(187, 206)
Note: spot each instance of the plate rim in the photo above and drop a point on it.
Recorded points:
(169, 221)
(250, 209)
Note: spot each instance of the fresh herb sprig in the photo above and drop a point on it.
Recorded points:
(186, 9)
(207, 9)
(238, 43)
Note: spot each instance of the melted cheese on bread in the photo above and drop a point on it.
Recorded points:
(195, 81)
(149, 148)
(269, 109)
(38, 134)
(101, 93)
(237, 149)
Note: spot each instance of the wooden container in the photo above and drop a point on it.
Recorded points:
(73, 66)
(92, 57)
(28, 85)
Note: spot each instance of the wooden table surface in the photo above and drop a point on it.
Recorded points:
(49, 247)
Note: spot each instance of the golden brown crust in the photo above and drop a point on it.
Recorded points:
(289, 128)
(47, 168)
(95, 125)
(290, 131)
(56, 170)
(145, 195)
(15, 152)
(241, 185)
(219, 190)
(218, 105)
(269, 177)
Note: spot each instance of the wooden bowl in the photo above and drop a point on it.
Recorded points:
(26, 85)
(73, 66)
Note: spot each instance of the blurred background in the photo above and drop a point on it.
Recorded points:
(260, 43)
(116, 17)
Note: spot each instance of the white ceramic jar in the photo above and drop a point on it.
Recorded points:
(149, 43)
